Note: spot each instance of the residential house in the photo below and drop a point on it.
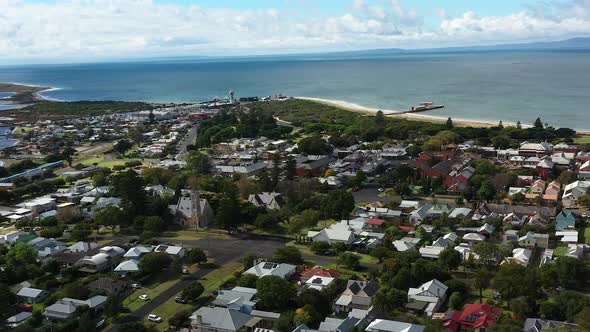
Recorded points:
(104, 260)
(263, 269)
(532, 239)
(248, 169)
(67, 308)
(47, 247)
(319, 282)
(536, 190)
(565, 220)
(534, 149)
(382, 325)
(82, 247)
(552, 192)
(331, 324)
(576, 250)
(427, 298)
(138, 252)
(270, 201)
(545, 168)
(572, 192)
(420, 214)
(241, 299)
(192, 211)
(584, 170)
(217, 319)
(312, 165)
(310, 272)
(520, 256)
(172, 251)
(540, 325)
(127, 266)
(340, 232)
(406, 243)
(473, 238)
(517, 190)
(357, 295)
(18, 319)
(459, 213)
(31, 295)
(567, 236)
(475, 317)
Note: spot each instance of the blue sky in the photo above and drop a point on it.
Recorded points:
(34, 30)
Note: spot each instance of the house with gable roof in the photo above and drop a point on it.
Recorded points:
(268, 200)
(357, 295)
(427, 298)
(565, 220)
(475, 317)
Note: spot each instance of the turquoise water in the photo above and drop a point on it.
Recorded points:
(492, 86)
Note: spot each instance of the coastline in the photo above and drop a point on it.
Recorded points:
(414, 116)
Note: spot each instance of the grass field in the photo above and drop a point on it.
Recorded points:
(194, 235)
(587, 235)
(585, 139)
(560, 251)
(6, 230)
(154, 288)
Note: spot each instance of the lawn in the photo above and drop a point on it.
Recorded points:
(587, 235)
(560, 251)
(194, 235)
(167, 310)
(160, 283)
(583, 139)
(6, 230)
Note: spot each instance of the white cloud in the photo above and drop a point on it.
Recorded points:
(133, 28)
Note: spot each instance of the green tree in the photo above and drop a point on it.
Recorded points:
(481, 281)
(538, 124)
(288, 254)
(230, 210)
(338, 204)
(508, 280)
(307, 315)
(450, 259)
(456, 301)
(249, 260)
(181, 319)
(193, 292)
(197, 162)
(154, 262)
(110, 216)
(247, 280)
(319, 247)
(449, 124)
(275, 293)
(349, 260)
(196, 255)
(130, 187)
(290, 168)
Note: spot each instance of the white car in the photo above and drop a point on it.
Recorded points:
(380, 190)
(135, 286)
(144, 297)
(154, 318)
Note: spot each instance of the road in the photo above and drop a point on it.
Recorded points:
(222, 251)
(189, 138)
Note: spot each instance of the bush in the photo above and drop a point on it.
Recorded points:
(193, 292)
(350, 260)
(320, 247)
(456, 300)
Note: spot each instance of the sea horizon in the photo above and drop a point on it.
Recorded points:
(485, 86)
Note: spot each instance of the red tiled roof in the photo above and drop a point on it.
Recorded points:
(406, 228)
(318, 271)
(474, 316)
(376, 222)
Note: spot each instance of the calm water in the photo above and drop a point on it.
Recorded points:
(508, 86)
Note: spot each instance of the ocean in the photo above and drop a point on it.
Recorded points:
(484, 86)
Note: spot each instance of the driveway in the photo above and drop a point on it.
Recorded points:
(369, 195)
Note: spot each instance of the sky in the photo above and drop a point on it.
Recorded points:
(82, 30)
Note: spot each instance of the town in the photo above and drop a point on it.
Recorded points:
(277, 214)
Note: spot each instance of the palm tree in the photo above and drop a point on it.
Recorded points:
(481, 281)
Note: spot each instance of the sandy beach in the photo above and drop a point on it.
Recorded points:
(411, 116)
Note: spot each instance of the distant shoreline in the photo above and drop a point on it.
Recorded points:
(414, 116)
(25, 93)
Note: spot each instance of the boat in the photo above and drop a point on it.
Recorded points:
(423, 107)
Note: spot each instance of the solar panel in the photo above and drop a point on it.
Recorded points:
(316, 281)
(268, 266)
(474, 316)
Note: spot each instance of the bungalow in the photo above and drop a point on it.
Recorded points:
(173, 251)
(357, 295)
(536, 189)
(459, 213)
(31, 295)
(47, 247)
(476, 317)
(520, 256)
(246, 169)
(340, 232)
(319, 282)
(127, 266)
(575, 250)
(567, 236)
(82, 247)
(104, 260)
(545, 168)
(67, 308)
(516, 190)
(473, 238)
(572, 192)
(420, 214)
(18, 319)
(382, 325)
(217, 319)
(540, 325)
(565, 220)
(137, 252)
(270, 201)
(241, 299)
(330, 324)
(312, 165)
(552, 191)
(406, 243)
(317, 271)
(532, 239)
(429, 297)
(584, 170)
(263, 269)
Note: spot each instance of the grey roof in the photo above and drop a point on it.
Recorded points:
(29, 292)
(393, 326)
(221, 318)
(538, 325)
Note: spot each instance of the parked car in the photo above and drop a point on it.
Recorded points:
(135, 286)
(179, 299)
(154, 318)
(380, 190)
(144, 297)
(185, 270)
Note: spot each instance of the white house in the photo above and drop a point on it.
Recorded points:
(174, 251)
(406, 243)
(572, 192)
(432, 294)
(270, 201)
(382, 325)
(263, 269)
(520, 256)
(340, 232)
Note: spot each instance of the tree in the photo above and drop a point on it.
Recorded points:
(450, 259)
(449, 124)
(110, 216)
(456, 300)
(288, 254)
(583, 319)
(388, 299)
(229, 213)
(196, 255)
(180, 319)
(481, 281)
(538, 124)
(490, 255)
(290, 168)
(81, 232)
(487, 191)
(68, 153)
(193, 292)
(338, 204)
(130, 187)
(21, 254)
(349, 260)
(247, 280)
(314, 145)
(319, 247)
(76, 290)
(275, 293)
(567, 177)
(307, 315)
(122, 146)
(249, 260)
(197, 162)
(508, 280)
(154, 262)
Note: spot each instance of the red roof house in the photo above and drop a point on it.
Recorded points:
(475, 317)
(310, 272)
(376, 222)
